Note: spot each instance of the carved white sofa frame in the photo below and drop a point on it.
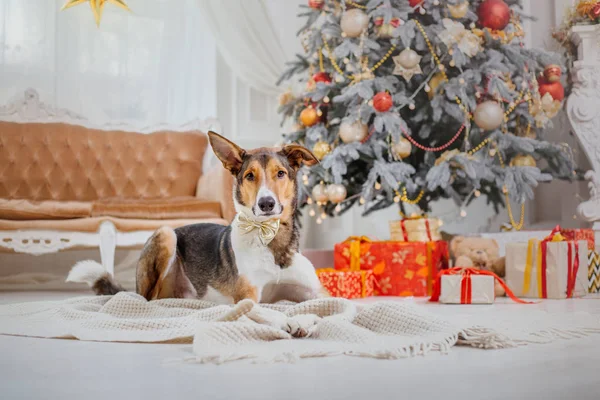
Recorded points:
(28, 108)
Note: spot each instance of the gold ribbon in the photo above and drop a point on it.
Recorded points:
(531, 245)
(266, 229)
(355, 242)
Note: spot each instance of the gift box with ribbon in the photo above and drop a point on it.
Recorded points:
(580, 234)
(416, 229)
(461, 285)
(347, 284)
(400, 268)
(594, 271)
(554, 268)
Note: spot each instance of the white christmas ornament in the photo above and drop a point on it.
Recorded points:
(459, 10)
(319, 193)
(354, 22)
(353, 132)
(488, 115)
(336, 193)
(407, 63)
(455, 34)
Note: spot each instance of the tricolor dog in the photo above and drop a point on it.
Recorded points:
(256, 257)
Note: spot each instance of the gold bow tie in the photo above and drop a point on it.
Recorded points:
(266, 229)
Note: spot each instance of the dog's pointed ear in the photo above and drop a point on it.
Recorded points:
(230, 154)
(298, 155)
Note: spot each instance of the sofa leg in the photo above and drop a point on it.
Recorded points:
(108, 244)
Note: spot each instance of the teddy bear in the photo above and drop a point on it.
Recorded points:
(478, 252)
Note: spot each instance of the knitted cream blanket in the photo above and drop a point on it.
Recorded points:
(223, 333)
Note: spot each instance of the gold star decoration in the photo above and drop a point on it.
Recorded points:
(97, 6)
(407, 70)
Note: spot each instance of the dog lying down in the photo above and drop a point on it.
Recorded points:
(256, 257)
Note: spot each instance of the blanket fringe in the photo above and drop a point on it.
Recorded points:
(484, 338)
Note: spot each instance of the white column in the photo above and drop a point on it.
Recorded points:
(583, 108)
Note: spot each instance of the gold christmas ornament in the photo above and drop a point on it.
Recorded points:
(434, 83)
(321, 149)
(336, 193)
(407, 64)
(523, 160)
(353, 132)
(488, 115)
(354, 22)
(403, 148)
(97, 6)
(309, 116)
(459, 10)
(319, 193)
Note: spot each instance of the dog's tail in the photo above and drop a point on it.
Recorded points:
(94, 274)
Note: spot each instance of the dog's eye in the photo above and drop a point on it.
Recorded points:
(280, 174)
(250, 176)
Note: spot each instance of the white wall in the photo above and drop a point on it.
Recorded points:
(155, 64)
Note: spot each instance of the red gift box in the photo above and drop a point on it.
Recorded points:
(347, 284)
(580, 234)
(400, 268)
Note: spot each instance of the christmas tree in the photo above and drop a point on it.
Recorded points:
(408, 101)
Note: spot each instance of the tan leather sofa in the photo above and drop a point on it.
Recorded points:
(67, 186)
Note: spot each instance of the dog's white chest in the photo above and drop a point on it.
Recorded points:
(253, 259)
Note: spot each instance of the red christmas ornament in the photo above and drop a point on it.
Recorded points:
(595, 11)
(556, 89)
(322, 77)
(552, 73)
(414, 3)
(382, 101)
(494, 14)
(316, 4)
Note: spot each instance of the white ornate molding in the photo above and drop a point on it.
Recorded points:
(27, 107)
(583, 109)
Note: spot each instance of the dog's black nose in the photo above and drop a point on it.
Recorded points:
(266, 204)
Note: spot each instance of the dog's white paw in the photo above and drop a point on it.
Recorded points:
(300, 325)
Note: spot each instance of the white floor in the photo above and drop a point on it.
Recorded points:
(68, 369)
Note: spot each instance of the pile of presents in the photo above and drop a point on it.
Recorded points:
(416, 262)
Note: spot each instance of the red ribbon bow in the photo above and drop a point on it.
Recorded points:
(395, 22)
(466, 285)
(572, 265)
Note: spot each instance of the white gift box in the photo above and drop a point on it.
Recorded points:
(482, 289)
(557, 267)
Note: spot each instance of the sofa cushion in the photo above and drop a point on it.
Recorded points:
(21, 209)
(158, 208)
(54, 161)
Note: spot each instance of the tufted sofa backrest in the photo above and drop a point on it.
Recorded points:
(55, 161)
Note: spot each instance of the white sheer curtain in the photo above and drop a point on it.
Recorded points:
(247, 39)
(155, 64)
